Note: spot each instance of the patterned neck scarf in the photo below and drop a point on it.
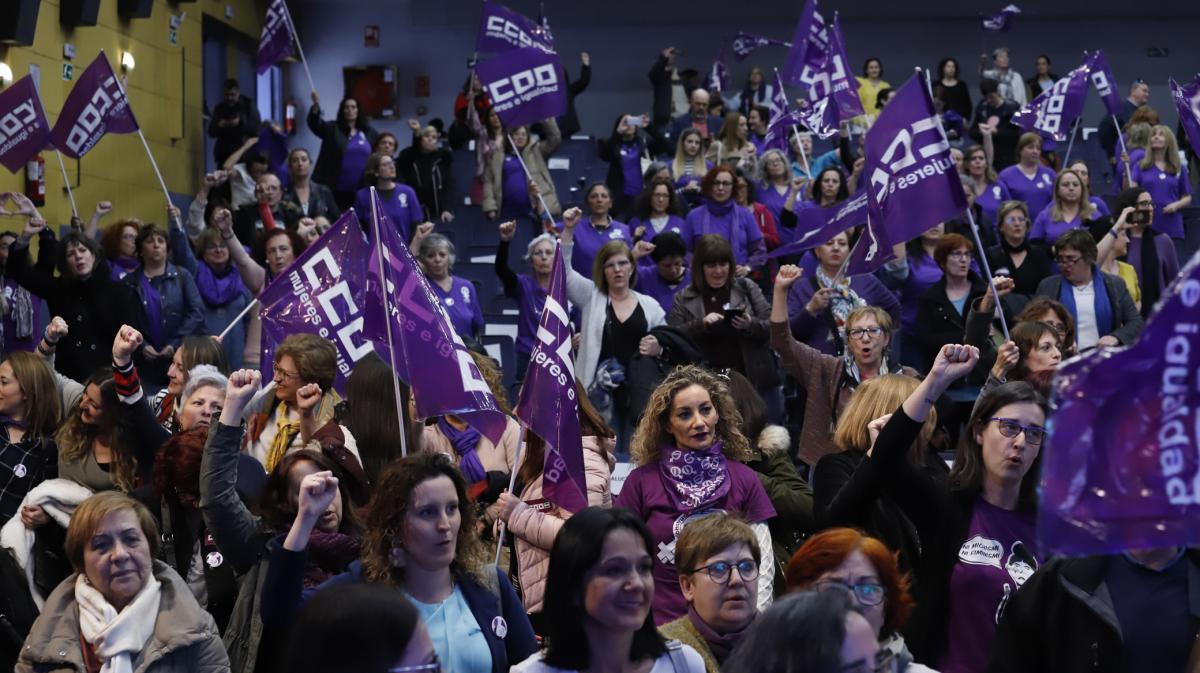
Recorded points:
(844, 299)
(694, 479)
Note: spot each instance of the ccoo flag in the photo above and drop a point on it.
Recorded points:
(1102, 78)
(323, 292)
(744, 44)
(547, 403)
(525, 85)
(501, 29)
(1187, 102)
(275, 44)
(911, 181)
(1053, 111)
(24, 130)
(425, 351)
(834, 83)
(97, 105)
(809, 44)
(1121, 468)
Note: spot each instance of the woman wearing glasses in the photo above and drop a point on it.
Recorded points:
(1149, 251)
(1104, 312)
(830, 380)
(720, 214)
(718, 558)
(1016, 257)
(846, 560)
(977, 529)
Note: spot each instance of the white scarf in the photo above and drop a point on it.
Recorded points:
(115, 636)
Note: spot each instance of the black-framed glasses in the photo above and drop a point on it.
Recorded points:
(1063, 260)
(868, 593)
(1144, 204)
(1034, 434)
(721, 571)
(722, 183)
(886, 661)
(864, 332)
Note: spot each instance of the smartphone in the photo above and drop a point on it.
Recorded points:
(1139, 217)
(633, 121)
(731, 312)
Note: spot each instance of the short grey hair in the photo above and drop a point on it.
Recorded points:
(761, 172)
(201, 376)
(547, 238)
(435, 242)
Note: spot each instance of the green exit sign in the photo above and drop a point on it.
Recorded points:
(68, 71)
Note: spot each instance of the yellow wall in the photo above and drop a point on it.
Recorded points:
(165, 90)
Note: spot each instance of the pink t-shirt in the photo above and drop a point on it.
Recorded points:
(645, 495)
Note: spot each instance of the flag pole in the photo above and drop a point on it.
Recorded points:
(512, 483)
(529, 176)
(153, 164)
(387, 310)
(1124, 152)
(235, 321)
(1071, 143)
(300, 49)
(62, 166)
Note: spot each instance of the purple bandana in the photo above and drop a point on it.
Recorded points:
(218, 290)
(465, 443)
(693, 479)
(119, 267)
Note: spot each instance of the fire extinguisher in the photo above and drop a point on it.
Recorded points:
(35, 180)
(289, 117)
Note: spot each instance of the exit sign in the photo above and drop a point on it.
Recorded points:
(68, 71)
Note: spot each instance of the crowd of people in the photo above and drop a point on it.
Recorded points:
(829, 472)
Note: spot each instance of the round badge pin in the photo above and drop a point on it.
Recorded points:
(499, 627)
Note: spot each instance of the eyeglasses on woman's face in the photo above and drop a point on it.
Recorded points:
(867, 592)
(1010, 428)
(721, 571)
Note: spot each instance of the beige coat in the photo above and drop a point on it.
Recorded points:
(536, 529)
(495, 458)
(185, 637)
(535, 154)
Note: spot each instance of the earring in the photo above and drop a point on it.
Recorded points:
(397, 557)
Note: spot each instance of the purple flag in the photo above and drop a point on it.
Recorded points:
(834, 81)
(1053, 111)
(779, 100)
(501, 29)
(1001, 22)
(809, 44)
(323, 292)
(911, 181)
(24, 130)
(780, 128)
(1187, 102)
(97, 105)
(815, 226)
(426, 352)
(1120, 468)
(1102, 78)
(547, 403)
(744, 44)
(525, 85)
(718, 78)
(275, 44)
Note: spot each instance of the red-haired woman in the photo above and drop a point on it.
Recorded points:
(720, 214)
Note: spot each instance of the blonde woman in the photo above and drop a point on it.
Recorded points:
(1162, 175)
(1071, 208)
(689, 451)
(732, 146)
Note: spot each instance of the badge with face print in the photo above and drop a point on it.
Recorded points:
(214, 559)
(499, 627)
(615, 234)
(449, 301)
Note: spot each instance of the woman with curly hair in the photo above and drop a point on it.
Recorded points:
(690, 453)
(420, 538)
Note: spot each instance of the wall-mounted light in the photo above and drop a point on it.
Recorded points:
(6, 76)
(127, 62)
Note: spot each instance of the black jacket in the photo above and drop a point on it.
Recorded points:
(229, 138)
(1007, 134)
(320, 201)
(1127, 320)
(247, 224)
(940, 323)
(94, 309)
(333, 145)
(1063, 620)
(649, 143)
(569, 122)
(429, 176)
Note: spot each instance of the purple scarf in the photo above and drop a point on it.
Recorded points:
(218, 290)
(464, 442)
(328, 555)
(720, 644)
(693, 479)
(153, 306)
(120, 267)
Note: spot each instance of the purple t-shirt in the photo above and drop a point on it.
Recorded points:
(1101, 207)
(770, 197)
(692, 199)
(1168, 263)
(989, 201)
(1037, 193)
(1135, 157)
(1046, 228)
(631, 167)
(651, 284)
(1164, 188)
(401, 207)
(514, 196)
(736, 224)
(354, 160)
(462, 305)
(644, 494)
(589, 240)
(999, 554)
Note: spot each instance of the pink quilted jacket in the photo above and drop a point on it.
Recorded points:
(535, 527)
